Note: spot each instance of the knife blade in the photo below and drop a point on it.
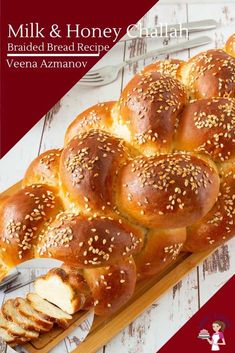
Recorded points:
(17, 286)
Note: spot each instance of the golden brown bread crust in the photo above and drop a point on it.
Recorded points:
(219, 224)
(208, 126)
(168, 191)
(161, 248)
(87, 242)
(88, 170)
(78, 282)
(209, 74)
(149, 106)
(230, 45)
(44, 169)
(111, 286)
(96, 117)
(168, 67)
(22, 217)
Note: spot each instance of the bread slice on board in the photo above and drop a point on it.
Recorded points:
(11, 327)
(11, 313)
(49, 311)
(28, 312)
(7, 337)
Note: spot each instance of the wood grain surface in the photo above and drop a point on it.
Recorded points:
(156, 325)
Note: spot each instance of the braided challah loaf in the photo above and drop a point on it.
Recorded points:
(138, 181)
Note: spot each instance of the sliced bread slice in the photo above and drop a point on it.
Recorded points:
(27, 311)
(48, 310)
(11, 327)
(7, 337)
(11, 313)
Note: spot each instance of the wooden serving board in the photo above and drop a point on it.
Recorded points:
(49, 340)
(104, 328)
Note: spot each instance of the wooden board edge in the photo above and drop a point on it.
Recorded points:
(30, 348)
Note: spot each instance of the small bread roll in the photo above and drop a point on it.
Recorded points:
(22, 217)
(209, 74)
(44, 169)
(207, 126)
(111, 286)
(218, 225)
(87, 242)
(168, 67)
(96, 117)
(88, 170)
(149, 107)
(168, 191)
(162, 247)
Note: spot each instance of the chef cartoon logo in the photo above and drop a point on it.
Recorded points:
(217, 338)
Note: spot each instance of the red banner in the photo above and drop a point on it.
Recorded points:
(212, 328)
(31, 85)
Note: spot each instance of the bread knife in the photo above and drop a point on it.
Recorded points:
(8, 279)
(17, 286)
